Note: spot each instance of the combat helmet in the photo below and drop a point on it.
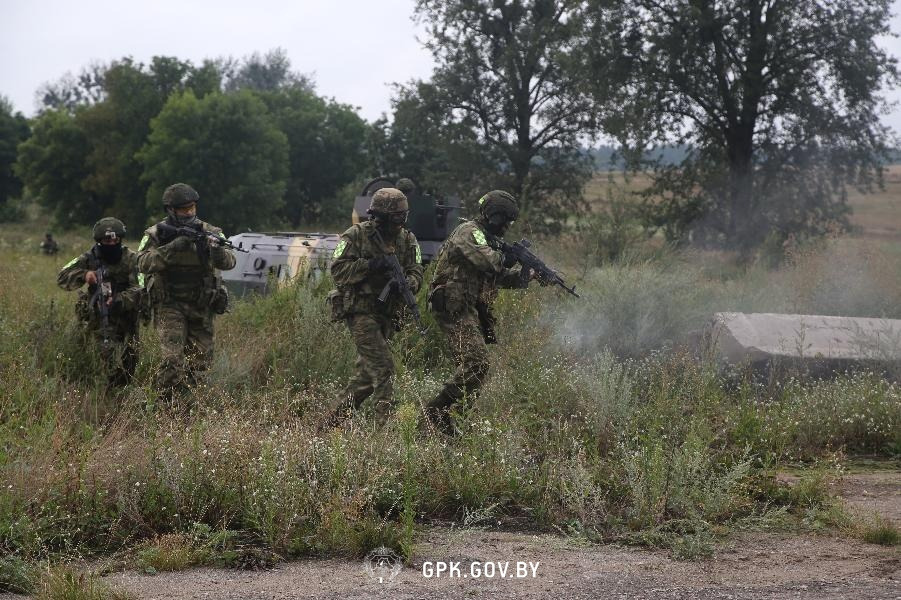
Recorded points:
(498, 207)
(386, 201)
(405, 185)
(178, 195)
(108, 228)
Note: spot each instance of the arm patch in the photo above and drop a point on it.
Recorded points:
(479, 237)
(339, 249)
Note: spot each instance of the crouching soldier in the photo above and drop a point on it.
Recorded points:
(180, 257)
(111, 304)
(361, 271)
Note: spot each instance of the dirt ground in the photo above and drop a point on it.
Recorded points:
(752, 566)
(747, 566)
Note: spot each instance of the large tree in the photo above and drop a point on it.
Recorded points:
(99, 122)
(444, 156)
(326, 149)
(777, 101)
(228, 147)
(502, 66)
(52, 164)
(118, 126)
(13, 131)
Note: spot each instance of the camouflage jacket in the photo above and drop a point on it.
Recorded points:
(188, 273)
(469, 271)
(127, 293)
(350, 267)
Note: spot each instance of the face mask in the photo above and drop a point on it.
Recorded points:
(111, 255)
(498, 225)
(185, 221)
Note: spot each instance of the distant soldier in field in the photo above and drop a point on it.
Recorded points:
(181, 258)
(468, 273)
(111, 305)
(361, 271)
(49, 245)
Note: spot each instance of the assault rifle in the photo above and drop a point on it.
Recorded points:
(170, 232)
(399, 281)
(530, 263)
(100, 301)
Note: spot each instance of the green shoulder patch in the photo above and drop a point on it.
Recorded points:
(479, 237)
(339, 249)
(71, 262)
(144, 241)
(418, 254)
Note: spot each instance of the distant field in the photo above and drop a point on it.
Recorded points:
(877, 215)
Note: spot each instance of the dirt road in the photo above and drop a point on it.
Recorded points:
(749, 566)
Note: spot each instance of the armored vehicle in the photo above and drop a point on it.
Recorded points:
(275, 258)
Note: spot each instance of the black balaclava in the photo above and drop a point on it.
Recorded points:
(111, 255)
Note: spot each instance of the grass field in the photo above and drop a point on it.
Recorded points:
(593, 422)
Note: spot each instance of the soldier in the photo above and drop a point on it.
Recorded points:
(110, 270)
(181, 261)
(360, 270)
(467, 275)
(49, 245)
(406, 186)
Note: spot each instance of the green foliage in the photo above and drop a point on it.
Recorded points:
(659, 449)
(883, 532)
(442, 156)
(502, 72)
(778, 105)
(16, 575)
(13, 131)
(52, 163)
(325, 142)
(64, 583)
(228, 147)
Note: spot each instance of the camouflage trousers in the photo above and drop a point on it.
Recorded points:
(470, 353)
(118, 350)
(374, 367)
(186, 341)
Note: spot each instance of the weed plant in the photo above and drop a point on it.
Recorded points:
(593, 422)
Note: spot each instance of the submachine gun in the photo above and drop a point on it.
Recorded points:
(170, 232)
(530, 263)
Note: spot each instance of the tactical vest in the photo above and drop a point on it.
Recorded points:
(363, 296)
(188, 277)
(119, 274)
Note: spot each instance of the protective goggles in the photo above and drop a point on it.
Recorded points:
(398, 218)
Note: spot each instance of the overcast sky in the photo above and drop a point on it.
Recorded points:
(353, 48)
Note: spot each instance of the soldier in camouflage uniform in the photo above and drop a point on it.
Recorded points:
(468, 273)
(184, 286)
(116, 265)
(361, 272)
(49, 245)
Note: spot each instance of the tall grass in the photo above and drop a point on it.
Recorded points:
(592, 421)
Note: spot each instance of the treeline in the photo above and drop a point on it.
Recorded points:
(753, 119)
(253, 136)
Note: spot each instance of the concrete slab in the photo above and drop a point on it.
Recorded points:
(758, 337)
